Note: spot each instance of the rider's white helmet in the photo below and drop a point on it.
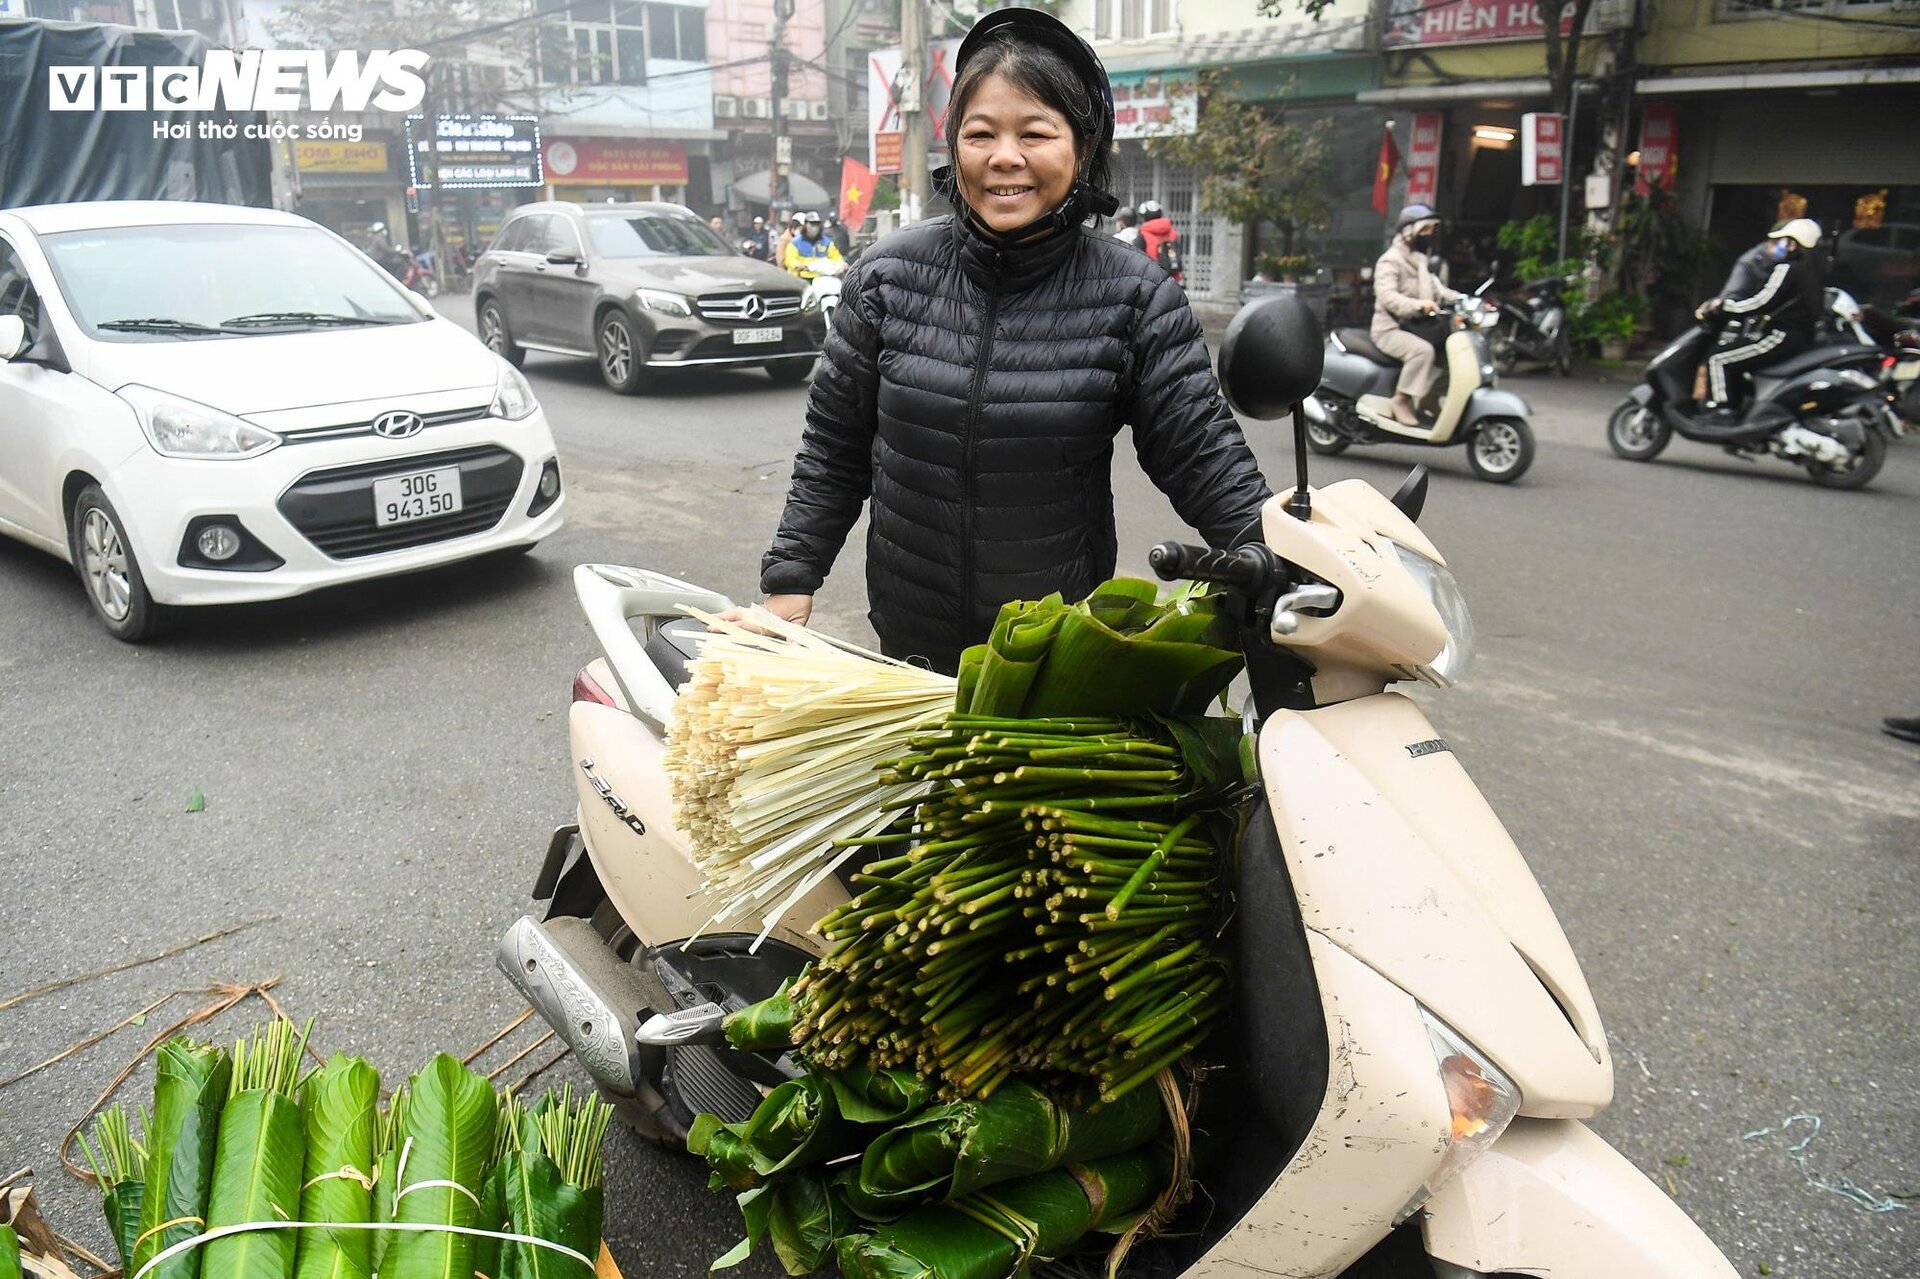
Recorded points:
(1804, 232)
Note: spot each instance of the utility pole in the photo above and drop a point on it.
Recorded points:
(914, 182)
(782, 144)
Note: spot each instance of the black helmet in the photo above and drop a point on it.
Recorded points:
(1150, 209)
(1043, 28)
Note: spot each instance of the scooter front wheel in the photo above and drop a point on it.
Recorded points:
(1637, 432)
(1326, 441)
(1501, 449)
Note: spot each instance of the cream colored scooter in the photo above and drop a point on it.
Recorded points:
(1414, 1045)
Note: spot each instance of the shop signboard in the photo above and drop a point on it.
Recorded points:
(1423, 158)
(614, 162)
(1409, 23)
(1659, 138)
(1152, 103)
(1542, 155)
(339, 157)
(886, 88)
(474, 151)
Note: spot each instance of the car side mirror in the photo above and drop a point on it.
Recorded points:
(13, 337)
(564, 257)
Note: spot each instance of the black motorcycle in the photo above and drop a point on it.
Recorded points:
(1812, 409)
(1533, 326)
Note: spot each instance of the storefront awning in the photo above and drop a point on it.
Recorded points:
(1530, 88)
(1849, 78)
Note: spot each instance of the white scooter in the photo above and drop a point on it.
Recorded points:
(823, 291)
(1413, 1046)
(1353, 404)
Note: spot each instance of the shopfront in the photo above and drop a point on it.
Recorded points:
(352, 187)
(597, 169)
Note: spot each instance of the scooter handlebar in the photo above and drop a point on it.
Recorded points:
(1246, 567)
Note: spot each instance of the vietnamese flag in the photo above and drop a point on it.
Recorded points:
(856, 192)
(1383, 173)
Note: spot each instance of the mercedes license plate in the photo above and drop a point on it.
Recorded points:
(419, 496)
(743, 336)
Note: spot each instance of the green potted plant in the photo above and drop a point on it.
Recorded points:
(1611, 320)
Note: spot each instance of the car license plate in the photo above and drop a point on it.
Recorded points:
(743, 336)
(419, 496)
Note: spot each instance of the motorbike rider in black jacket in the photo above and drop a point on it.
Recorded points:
(981, 364)
(1778, 287)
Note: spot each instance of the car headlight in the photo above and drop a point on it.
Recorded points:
(179, 427)
(665, 303)
(1482, 1100)
(512, 397)
(1443, 592)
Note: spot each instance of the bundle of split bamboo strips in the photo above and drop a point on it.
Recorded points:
(772, 756)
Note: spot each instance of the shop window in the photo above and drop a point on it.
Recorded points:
(677, 31)
(602, 42)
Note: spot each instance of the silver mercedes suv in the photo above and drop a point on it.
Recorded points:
(638, 288)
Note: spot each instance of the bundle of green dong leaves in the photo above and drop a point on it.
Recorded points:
(246, 1168)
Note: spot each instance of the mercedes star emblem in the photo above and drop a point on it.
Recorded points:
(753, 308)
(397, 425)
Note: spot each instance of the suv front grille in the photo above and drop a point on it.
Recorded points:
(734, 306)
(333, 508)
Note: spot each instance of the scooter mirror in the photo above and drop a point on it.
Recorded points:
(1271, 358)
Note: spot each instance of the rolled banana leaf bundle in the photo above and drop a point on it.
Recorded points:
(340, 1112)
(1000, 1233)
(389, 1145)
(191, 1083)
(1117, 652)
(444, 1146)
(120, 1165)
(803, 1213)
(493, 1187)
(950, 1151)
(1052, 916)
(550, 1174)
(262, 1153)
(763, 1027)
(799, 1123)
(9, 1253)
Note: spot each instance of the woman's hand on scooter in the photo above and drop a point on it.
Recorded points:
(790, 608)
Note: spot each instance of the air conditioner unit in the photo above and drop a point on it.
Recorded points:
(756, 108)
(796, 109)
(724, 107)
(816, 111)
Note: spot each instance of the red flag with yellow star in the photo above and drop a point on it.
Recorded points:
(1383, 174)
(856, 192)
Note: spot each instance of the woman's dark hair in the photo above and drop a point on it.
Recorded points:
(1036, 69)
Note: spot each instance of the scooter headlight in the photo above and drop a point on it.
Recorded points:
(1443, 592)
(1480, 1097)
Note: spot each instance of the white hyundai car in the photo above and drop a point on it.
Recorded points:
(208, 404)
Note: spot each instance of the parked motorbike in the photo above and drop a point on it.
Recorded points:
(1532, 325)
(1353, 402)
(1898, 341)
(1414, 1045)
(1824, 409)
(420, 276)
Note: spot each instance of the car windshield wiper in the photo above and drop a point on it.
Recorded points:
(264, 318)
(158, 324)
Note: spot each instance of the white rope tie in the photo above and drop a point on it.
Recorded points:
(421, 1227)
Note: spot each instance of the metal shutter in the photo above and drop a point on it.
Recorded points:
(1794, 139)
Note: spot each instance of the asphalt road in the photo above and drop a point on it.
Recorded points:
(1682, 670)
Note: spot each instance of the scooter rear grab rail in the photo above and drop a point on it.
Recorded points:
(613, 597)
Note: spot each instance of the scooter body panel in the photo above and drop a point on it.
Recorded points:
(1551, 1198)
(644, 862)
(1467, 371)
(1491, 401)
(1353, 375)
(1381, 1132)
(1397, 859)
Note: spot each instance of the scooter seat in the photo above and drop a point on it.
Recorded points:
(1820, 356)
(673, 646)
(1360, 343)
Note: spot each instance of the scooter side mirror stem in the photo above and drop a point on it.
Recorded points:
(1300, 505)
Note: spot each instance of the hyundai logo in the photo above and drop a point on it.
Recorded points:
(397, 425)
(753, 307)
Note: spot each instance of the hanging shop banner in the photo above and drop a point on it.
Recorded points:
(1423, 158)
(474, 151)
(1659, 140)
(1153, 103)
(887, 89)
(1422, 22)
(614, 162)
(340, 157)
(1542, 149)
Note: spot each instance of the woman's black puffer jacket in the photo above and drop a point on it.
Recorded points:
(974, 394)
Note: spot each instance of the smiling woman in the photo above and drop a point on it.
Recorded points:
(174, 281)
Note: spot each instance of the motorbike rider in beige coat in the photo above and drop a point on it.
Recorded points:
(1404, 289)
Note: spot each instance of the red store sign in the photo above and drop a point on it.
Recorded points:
(614, 162)
(1659, 140)
(1542, 149)
(1423, 158)
(1423, 22)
